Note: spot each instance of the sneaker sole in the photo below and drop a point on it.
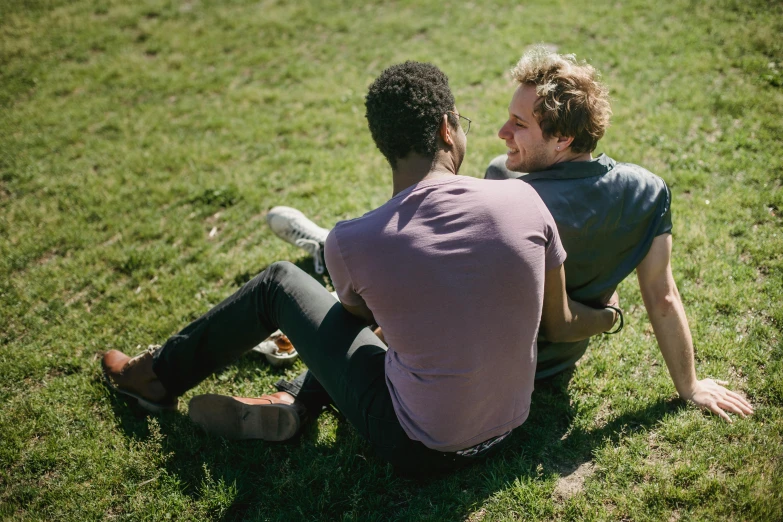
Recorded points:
(232, 419)
(152, 407)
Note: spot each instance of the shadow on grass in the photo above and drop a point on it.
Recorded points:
(317, 476)
(328, 472)
(550, 437)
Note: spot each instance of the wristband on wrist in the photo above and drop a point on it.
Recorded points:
(620, 316)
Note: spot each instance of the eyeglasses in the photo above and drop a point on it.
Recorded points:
(465, 127)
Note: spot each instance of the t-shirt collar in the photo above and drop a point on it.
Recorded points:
(574, 169)
(427, 183)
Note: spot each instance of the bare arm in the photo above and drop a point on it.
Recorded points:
(564, 320)
(667, 315)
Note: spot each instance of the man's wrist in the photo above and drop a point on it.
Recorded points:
(612, 315)
(617, 319)
(686, 391)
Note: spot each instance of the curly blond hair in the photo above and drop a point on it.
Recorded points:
(572, 100)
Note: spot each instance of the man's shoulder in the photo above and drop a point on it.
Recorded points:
(366, 226)
(601, 175)
(641, 183)
(508, 197)
(351, 226)
(495, 190)
(605, 173)
(369, 217)
(616, 191)
(490, 187)
(346, 235)
(637, 173)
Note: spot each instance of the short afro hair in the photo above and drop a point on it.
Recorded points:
(405, 105)
(573, 101)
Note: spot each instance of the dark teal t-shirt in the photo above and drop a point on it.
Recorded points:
(607, 215)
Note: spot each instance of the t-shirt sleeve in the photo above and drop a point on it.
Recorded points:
(665, 226)
(338, 271)
(555, 254)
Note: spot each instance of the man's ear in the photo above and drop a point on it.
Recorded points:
(445, 131)
(564, 142)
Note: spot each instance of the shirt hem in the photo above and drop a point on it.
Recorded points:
(478, 439)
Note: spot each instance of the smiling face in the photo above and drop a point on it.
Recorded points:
(528, 149)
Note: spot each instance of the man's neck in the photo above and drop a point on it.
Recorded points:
(415, 168)
(568, 155)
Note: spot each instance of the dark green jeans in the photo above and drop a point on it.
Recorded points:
(345, 359)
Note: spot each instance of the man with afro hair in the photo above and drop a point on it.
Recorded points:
(455, 378)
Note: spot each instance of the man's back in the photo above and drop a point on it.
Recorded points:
(607, 215)
(435, 264)
(613, 217)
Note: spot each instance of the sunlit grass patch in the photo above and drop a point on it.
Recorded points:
(141, 145)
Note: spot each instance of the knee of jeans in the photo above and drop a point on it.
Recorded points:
(279, 270)
(276, 272)
(497, 168)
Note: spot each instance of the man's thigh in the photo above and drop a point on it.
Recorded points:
(345, 356)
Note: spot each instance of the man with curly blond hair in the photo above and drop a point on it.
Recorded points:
(612, 217)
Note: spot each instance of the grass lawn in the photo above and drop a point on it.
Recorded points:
(142, 143)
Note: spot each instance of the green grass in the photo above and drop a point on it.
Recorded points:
(129, 130)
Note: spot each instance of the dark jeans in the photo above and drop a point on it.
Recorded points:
(345, 359)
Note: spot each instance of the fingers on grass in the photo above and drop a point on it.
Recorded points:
(746, 408)
(714, 408)
(729, 405)
(741, 399)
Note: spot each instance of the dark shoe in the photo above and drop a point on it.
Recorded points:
(273, 417)
(135, 378)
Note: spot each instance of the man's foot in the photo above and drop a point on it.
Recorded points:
(292, 226)
(273, 417)
(134, 377)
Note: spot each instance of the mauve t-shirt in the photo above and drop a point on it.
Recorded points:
(453, 271)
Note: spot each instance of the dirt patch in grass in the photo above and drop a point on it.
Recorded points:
(572, 480)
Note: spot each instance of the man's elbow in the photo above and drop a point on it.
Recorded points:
(665, 304)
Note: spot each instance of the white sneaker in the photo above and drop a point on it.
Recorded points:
(292, 226)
